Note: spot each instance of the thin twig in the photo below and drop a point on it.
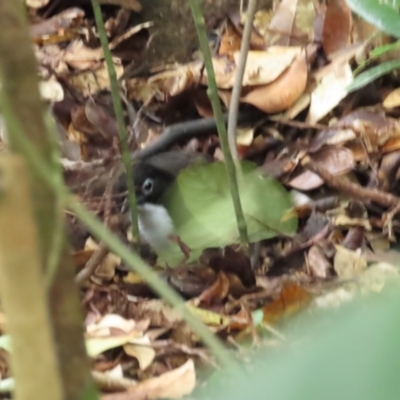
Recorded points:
(212, 92)
(94, 261)
(237, 85)
(355, 191)
(115, 94)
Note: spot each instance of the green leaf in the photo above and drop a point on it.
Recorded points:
(201, 208)
(372, 74)
(350, 353)
(386, 48)
(384, 14)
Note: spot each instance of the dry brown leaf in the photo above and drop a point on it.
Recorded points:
(91, 82)
(284, 91)
(81, 257)
(143, 353)
(336, 160)
(217, 291)
(330, 91)
(37, 3)
(81, 57)
(344, 220)
(337, 26)
(264, 67)
(292, 23)
(230, 41)
(59, 28)
(392, 99)
(114, 325)
(159, 313)
(347, 263)
(317, 263)
(108, 382)
(291, 299)
(208, 317)
(177, 80)
(172, 384)
(106, 269)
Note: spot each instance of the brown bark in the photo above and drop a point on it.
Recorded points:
(20, 89)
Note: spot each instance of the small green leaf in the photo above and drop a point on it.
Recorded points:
(386, 48)
(201, 208)
(372, 74)
(384, 14)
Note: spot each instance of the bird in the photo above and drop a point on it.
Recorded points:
(152, 176)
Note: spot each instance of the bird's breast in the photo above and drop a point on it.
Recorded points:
(155, 225)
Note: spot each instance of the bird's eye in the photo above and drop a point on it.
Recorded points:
(147, 186)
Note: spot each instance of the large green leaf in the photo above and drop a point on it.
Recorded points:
(201, 208)
(384, 14)
(374, 73)
(350, 354)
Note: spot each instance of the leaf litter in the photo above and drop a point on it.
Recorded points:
(331, 158)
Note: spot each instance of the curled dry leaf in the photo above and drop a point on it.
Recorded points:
(143, 352)
(317, 263)
(337, 26)
(177, 80)
(257, 41)
(81, 57)
(230, 41)
(37, 3)
(292, 23)
(374, 129)
(392, 99)
(336, 160)
(111, 383)
(330, 91)
(217, 291)
(264, 67)
(91, 82)
(172, 384)
(284, 91)
(106, 269)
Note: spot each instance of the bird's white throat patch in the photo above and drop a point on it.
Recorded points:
(155, 225)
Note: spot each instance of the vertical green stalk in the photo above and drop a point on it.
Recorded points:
(237, 85)
(126, 157)
(212, 92)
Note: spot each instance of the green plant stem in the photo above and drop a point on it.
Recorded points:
(237, 85)
(115, 245)
(126, 157)
(212, 92)
(157, 284)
